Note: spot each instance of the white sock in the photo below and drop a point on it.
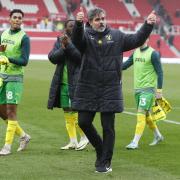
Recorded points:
(136, 138)
(23, 135)
(83, 138)
(157, 132)
(8, 146)
(74, 141)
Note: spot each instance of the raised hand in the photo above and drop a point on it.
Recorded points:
(80, 15)
(151, 19)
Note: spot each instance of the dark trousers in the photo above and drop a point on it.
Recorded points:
(104, 147)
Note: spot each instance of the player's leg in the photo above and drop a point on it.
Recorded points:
(152, 125)
(142, 104)
(8, 140)
(11, 128)
(69, 117)
(3, 101)
(3, 112)
(24, 137)
(13, 92)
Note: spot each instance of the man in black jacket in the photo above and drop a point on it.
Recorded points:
(99, 87)
(68, 60)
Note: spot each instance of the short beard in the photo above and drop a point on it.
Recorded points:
(100, 29)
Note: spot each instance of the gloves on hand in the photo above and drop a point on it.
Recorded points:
(4, 60)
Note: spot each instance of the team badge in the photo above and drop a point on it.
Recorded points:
(109, 37)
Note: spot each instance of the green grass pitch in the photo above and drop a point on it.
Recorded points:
(43, 159)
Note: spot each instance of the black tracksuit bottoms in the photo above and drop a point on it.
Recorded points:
(104, 146)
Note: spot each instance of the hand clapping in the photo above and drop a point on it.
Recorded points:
(65, 40)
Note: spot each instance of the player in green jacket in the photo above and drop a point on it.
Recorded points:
(14, 54)
(148, 81)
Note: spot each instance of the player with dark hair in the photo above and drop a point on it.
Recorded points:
(99, 87)
(14, 54)
(67, 59)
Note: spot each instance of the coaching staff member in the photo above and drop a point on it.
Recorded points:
(99, 87)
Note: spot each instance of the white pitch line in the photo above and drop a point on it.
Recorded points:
(172, 122)
(167, 120)
(172, 108)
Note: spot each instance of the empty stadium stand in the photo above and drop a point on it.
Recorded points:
(171, 7)
(117, 16)
(34, 9)
(115, 10)
(177, 42)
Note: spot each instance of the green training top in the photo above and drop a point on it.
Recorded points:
(144, 73)
(64, 82)
(65, 75)
(13, 51)
(155, 60)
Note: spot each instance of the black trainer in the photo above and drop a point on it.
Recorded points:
(103, 169)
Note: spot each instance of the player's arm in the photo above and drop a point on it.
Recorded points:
(132, 41)
(128, 63)
(57, 54)
(25, 52)
(78, 35)
(155, 59)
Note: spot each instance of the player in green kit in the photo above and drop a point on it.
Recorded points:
(14, 54)
(148, 81)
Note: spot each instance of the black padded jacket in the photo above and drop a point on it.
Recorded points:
(99, 86)
(58, 56)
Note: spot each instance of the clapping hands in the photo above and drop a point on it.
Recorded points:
(65, 40)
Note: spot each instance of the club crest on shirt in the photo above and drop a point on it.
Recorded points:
(108, 37)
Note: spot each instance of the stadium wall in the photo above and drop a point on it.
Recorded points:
(42, 43)
(163, 60)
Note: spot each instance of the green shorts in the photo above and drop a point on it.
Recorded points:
(11, 92)
(144, 100)
(65, 100)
